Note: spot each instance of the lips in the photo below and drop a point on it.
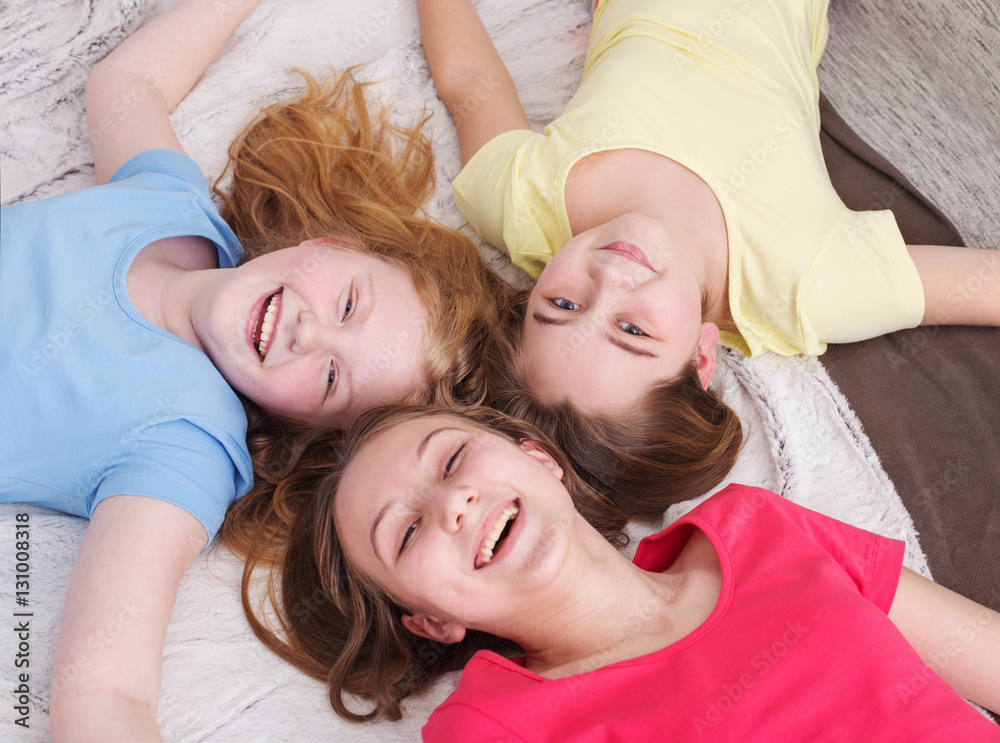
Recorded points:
(630, 251)
(496, 535)
(265, 324)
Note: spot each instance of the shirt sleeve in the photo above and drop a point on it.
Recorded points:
(863, 283)
(484, 189)
(871, 561)
(458, 722)
(169, 171)
(177, 462)
(165, 162)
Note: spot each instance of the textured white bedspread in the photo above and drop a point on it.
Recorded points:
(916, 78)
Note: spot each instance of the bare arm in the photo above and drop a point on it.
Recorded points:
(961, 285)
(106, 673)
(132, 91)
(958, 638)
(470, 77)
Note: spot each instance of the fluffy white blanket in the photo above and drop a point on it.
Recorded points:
(915, 77)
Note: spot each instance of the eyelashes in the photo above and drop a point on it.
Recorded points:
(630, 328)
(564, 304)
(568, 305)
(349, 305)
(451, 461)
(447, 470)
(407, 534)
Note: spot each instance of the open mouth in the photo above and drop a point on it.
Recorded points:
(496, 537)
(263, 329)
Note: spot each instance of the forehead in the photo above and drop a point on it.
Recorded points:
(386, 465)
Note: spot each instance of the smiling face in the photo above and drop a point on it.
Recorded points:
(461, 525)
(616, 311)
(315, 333)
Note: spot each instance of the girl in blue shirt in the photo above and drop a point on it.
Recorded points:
(136, 330)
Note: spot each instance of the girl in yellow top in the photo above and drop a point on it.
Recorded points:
(679, 200)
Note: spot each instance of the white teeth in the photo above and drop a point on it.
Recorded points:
(486, 551)
(267, 326)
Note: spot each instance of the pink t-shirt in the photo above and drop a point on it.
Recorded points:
(798, 648)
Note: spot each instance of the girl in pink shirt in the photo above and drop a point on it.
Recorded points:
(750, 618)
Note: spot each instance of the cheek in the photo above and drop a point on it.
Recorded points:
(285, 389)
(562, 272)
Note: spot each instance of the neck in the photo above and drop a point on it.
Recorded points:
(164, 281)
(608, 610)
(701, 247)
(177, 296)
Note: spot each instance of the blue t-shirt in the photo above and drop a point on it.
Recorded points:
(98, 401)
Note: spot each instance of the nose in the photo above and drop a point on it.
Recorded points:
(311, 333)
(454, 505)
(611, 279)
(610, 284)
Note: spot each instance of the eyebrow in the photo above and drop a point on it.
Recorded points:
(371, 535)
(634, 350)
(421, 448)
(546, 320)
(372, 299)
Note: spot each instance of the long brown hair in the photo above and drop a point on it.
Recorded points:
(677, 443)
(327, 164)
(333, 622)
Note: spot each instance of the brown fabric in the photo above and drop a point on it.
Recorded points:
(928, 398)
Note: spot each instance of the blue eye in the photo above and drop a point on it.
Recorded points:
(407, 534)
(565, 304)
(630, 328)
(348, 307)
(331, 376)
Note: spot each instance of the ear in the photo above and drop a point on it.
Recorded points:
(536, 450)
(704, 356)
(432, 628)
